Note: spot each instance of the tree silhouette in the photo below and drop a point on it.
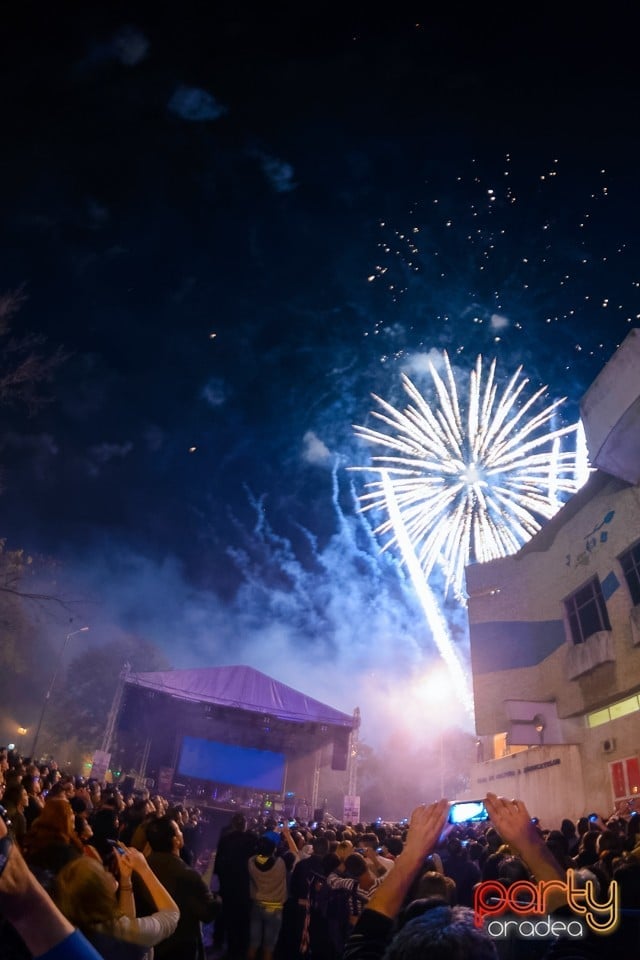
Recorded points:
(26, 364)
(81, 699)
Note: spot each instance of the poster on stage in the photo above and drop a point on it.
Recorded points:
(100, 765)
(351, 809)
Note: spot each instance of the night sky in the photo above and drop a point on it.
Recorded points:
(240, 221)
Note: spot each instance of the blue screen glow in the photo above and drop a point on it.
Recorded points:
(226, 763)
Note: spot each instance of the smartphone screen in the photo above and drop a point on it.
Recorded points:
(467, 810)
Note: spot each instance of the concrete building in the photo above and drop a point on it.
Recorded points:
(555, 631)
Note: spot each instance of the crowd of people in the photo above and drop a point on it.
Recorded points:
(87, 872)
(119, 870)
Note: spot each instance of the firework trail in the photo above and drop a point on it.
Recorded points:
(431, 610)
(463, 485)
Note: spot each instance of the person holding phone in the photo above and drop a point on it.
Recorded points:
(442, 930)
(25, 905)
(104, 908)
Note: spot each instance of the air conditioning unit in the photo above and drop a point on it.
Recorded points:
(609, 745)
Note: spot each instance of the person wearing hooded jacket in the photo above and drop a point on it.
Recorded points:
(268, 888)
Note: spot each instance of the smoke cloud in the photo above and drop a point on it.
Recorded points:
(337, 621)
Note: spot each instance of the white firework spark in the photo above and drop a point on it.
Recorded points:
(473, 487)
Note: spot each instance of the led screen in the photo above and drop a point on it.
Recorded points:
(226, 763)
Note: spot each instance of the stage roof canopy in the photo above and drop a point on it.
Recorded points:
(241, 688)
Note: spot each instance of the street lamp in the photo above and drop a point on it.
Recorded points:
(47, 695)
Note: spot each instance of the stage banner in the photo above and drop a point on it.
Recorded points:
(100, 765)
(351, 809)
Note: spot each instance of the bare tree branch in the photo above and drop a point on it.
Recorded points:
(25, 363)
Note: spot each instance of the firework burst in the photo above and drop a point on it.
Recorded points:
(470, 483)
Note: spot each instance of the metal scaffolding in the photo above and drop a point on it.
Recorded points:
(352, 762)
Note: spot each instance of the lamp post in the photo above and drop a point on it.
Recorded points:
(47, 695)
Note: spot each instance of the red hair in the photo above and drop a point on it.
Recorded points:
(54, 826)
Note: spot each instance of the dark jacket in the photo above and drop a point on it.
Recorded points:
(196, 902)
(232, 856)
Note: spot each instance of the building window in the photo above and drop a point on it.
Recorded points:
(630, 563)
(587, 611)
(615, 710)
